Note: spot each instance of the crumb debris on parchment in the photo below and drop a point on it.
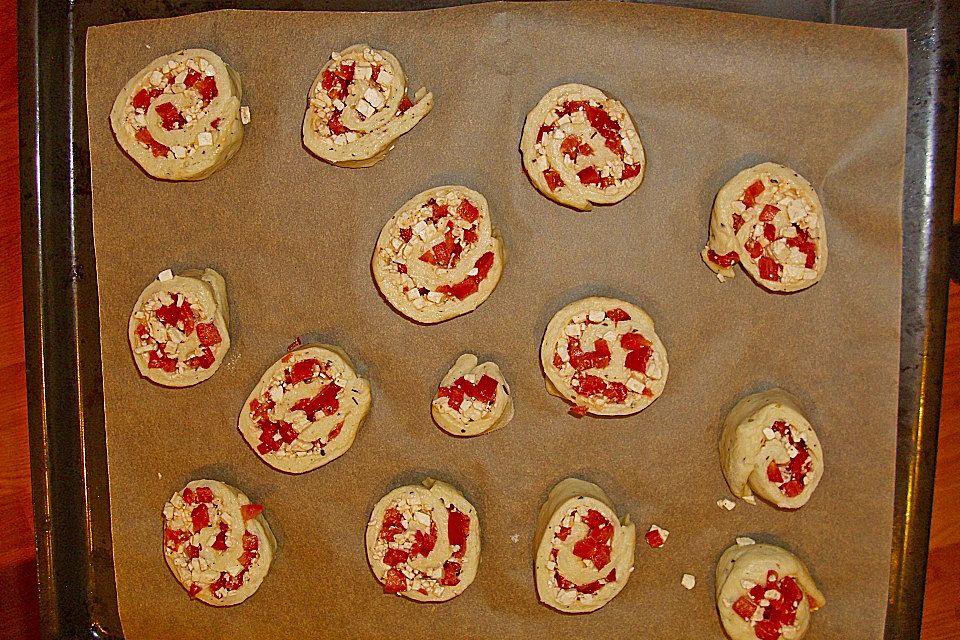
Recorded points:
(515, 538)
(688, 581)
(726, 503)
(743, 541)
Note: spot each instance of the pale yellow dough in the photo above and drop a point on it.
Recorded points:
(570, 495)
(313, 446)
(560, 381)
(202, 155)
(392, 253)
(374, 135)
(547, 155)
(797, 200)
(750, 563)
(207, 293)
(745, 452)
(432, 500)
(230, 500)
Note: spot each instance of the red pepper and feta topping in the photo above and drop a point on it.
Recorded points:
(432, 241)
(656, 537)
(770, 606)
(593, 548)
(176, 334)
(179, 81)
(300, 411)
(408, 535)
(588, 138)
(606, 359)
(356, 87)
(471, 397)
(210, 549)
(779, 229)
(796, 472)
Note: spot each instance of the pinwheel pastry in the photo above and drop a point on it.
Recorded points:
(179, 117)
(765, 592)
(770, 220)
(472, 398)
(439, 256)
(423, 542)
(178, 328)
(358, 106)
(768, 448)
(306, 409)
(584, 553)
(580, 148)
(217, 544)
(604, 356)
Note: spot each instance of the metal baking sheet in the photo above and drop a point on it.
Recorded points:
(77, 588)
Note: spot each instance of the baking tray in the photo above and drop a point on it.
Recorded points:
(64, 387)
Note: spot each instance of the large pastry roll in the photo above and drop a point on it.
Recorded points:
(770, 220)
(768, 448)
(306, 409)
(765, 592)
(217, 544)
(580, 148)
(439, 256)
(423, 542)
(179, 117)
(473, 398)
(358, 107)
(604, 356)
(178, 328)
(584, 554)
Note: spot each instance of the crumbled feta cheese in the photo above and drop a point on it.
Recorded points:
(743, 541)
(688, 581)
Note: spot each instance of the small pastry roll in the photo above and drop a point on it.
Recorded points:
(306, 409)
(423, 542)
(584, 555)
(580, 148)
(217, 544)
(178, 328)
(603, 355)
(765, 592)
(770, 220)
(439, 256)
(768, 448)
(179, 117)
(472, 398)
(358, 107)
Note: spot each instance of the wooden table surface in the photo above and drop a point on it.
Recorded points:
(19, 616)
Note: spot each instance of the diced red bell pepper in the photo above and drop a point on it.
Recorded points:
(250, 511)
(750, 194)
(208, 334)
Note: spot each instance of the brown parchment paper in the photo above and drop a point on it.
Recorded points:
(711, 93)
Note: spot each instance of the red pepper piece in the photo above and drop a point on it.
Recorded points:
(554, 181)
(792, 489)
(405, 103)
(395, 582)
(485, 389)
(141, 100)
(157, 360)
(468, 211)
(336, 127)
(590, 177)
(215, 123)
(654, 539)
(192, 77)
(205, 494)
(170, 116)
(616, 392)
(423, 543)
(564, 532)
(406, 234)
(630, 171)
(618, 315)
(207, 88)
(590, 587)
(612, 576)
(200, 517)
(750, 194)
(744, 608)
(204, 361)
(194, 590)
(470, 236)
(563, 583)
(453, 395)
(158, 150)
(590, 385)
(725, 261)
(599, 358)
(569, 147)
(769, 269)
(773, 473)
(250, 511)
(189, 497)
(287, 433)
(633, 341)
(451, 574)
(302, 371)
(737, 222)
(578, 411)
(769, 232)
(637, 359)
(458, 528)
(325, 401)
(585, 547)
(393, 557)
(757, 591)
(607, 127)
(173, 538)
(543, 130)
(208, 334)
(250, 541)
(392, 525)
(192, 551)
(440, 211)
(767, 630)
(753, 248)
(594, 519)
(220, 544)
(769, 213)
(471, 284)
